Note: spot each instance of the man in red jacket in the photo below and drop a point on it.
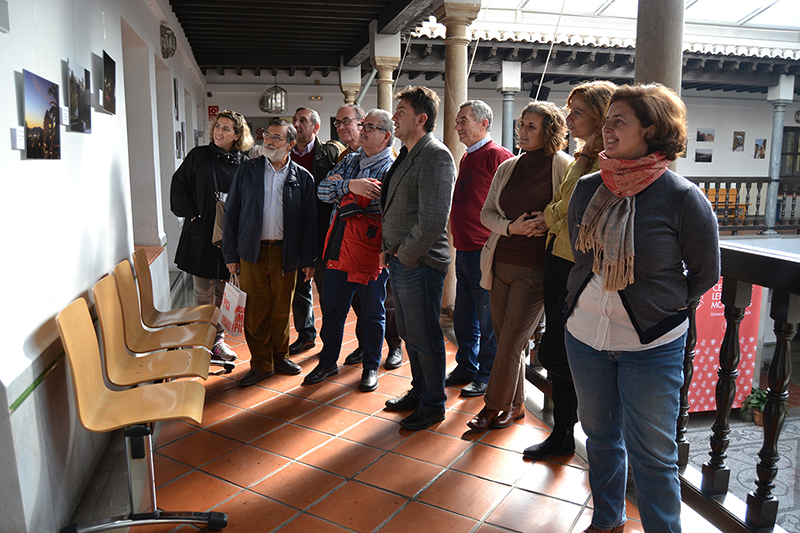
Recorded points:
(472, 317)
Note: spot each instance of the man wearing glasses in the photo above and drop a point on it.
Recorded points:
(269, 233)
(352, 250)
(348, 118)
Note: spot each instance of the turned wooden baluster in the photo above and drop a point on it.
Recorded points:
(688, 373)
(736, 297)
(762, 506)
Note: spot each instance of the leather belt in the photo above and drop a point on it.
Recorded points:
(271, 243)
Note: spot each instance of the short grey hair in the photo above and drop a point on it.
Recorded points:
(291, 132)
(384, 121)
(315, 120)
(480, 111)
(357, 108)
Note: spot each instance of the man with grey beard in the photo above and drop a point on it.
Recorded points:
(268, 234)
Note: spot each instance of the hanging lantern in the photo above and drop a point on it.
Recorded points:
(169, 43)
(273, 101)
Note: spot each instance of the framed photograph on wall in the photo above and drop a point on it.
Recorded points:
(760, 149)
(109, 84)
(42, 112)
(705, 135)
(703, 155)
(175, 97)
(80, 99)
(738, 141)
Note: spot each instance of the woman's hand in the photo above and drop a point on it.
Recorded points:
(527, 225)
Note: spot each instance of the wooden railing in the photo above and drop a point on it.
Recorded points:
(706, 491)
(740, 203)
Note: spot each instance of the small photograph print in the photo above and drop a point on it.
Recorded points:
(703, 156)
(80, 99)
(738, 141)
(760, 149)
(175, 96)
(109, 84)
(705, 135)
(42, 111)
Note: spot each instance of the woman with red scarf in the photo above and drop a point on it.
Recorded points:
(646, 245)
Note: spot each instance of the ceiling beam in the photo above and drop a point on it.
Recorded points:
(395, 18)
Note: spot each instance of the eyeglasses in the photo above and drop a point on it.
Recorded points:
(276, 138)
(367, 127)
(344, 121)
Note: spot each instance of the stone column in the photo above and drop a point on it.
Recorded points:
(384, 52)
(456, 15)
(509, 82)
(779, 96)
(349, 82)
(659, 43)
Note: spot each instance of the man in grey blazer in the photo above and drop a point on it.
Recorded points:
(415, 202)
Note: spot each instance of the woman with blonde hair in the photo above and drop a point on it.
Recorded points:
(512, 260)
(205, 175)
(646, 245)
(586, 108)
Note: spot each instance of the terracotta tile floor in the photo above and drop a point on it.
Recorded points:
(279, 456)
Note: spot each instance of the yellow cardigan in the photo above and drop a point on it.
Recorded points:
(555, 214)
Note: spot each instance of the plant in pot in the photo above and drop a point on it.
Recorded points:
(756, 401)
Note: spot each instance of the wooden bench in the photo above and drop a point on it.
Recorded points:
(101, 410)
(124, 369)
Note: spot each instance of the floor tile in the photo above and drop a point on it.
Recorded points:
(330, 419)
(342, 457)
(214, 411)
(349, 375)
(298, 485)
(246, 465)
(245, 397)
(285, 407)
(362, 402)
(217, 384)
(514, 438)
(378, 433)
(173, 430)
(400, 474)
(432, 447)
(393, 385)
(467, 405)
(167, 469)
(282, 382)
(245, 426)
(463, 494)
(199, 448)
(321, 392)
(306, 523)
(249, 512)
(455, 425)
(291, 441)
(493, 464)
(358, 507)
(195, 492)
(526, 511)
(433, 519)
(490, 528)
(559, 481)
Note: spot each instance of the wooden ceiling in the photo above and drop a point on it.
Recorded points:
(232, 36)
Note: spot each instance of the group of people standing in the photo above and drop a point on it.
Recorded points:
(609, 245)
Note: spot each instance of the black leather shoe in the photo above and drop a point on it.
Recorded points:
(453, 378)
(406, 402)
(476, 388)
(394, 358)
(253, 376)
(369, 381)
(319, 374)
(301, 345)
(355, 357)
(287, 366)
(421, 419)
(558, 443)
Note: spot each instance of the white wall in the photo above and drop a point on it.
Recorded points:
(67, 223)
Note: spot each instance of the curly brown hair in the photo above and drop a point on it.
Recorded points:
(245, 141)
(596, 95)
(553, 123)
(657, 105)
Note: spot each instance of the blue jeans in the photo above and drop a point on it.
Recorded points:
(417, 307)
(629, 402)
(472, 320)
(338, 295)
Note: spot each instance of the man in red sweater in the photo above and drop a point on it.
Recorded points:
(472, 318)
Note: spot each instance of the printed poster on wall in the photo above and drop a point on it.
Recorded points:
(710, 332)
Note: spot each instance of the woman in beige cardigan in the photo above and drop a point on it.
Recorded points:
(512, 261)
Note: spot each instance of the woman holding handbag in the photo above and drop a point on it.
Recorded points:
(204, 177)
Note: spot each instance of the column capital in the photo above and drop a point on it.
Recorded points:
(456, 16)
(384, 62)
